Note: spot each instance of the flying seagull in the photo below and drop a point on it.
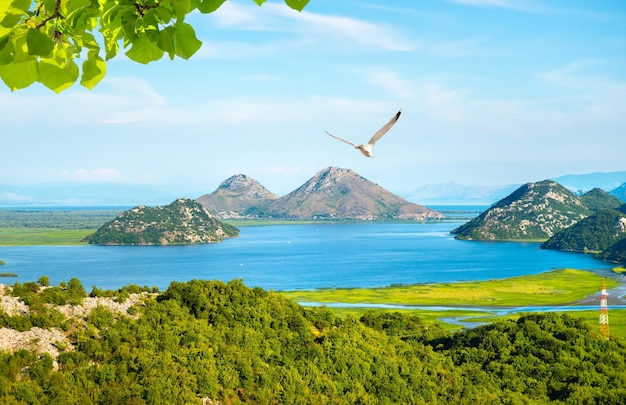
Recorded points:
(367, 149)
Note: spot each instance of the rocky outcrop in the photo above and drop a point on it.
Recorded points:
(53, 340)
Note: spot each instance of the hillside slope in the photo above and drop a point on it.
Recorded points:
(184, 221)
(596, 233)
(239, 196)
(336, 193)
(533, 211)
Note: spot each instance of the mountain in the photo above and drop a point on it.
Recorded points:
(619, 192)
(184, 221)
(580, 183)
(343, 194)
(533, 211)
(596, 233)
(449, 193)
(597, 199)
(236, 197)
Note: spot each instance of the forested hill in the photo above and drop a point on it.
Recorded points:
(211, 342)
(535, 211)
(601, 232)
(182, 222)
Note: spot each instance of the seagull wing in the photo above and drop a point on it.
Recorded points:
(385, 128)
(341, 139)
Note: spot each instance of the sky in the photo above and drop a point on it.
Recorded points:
(492, 92)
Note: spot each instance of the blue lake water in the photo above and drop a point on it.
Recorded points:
(290, 257)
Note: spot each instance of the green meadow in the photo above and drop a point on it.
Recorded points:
(560, 288)
(22, 236)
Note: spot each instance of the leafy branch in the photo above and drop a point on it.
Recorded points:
(55, 14)
(142, 8)
(40, 51)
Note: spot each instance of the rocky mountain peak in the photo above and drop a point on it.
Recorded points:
(329, 179)
(245, 187)
(336, 193)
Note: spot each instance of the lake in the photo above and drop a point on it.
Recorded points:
(287, 257)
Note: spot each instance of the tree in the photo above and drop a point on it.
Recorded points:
(41, 40)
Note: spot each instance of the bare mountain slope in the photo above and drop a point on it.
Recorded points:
(343, 194)
(236, 196)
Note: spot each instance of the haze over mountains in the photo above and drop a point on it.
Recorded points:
(613, 183)
(133, 194)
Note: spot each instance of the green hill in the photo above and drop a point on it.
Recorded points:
(615, 253)
(596, 233)
(184, 221)
(598, 199)
(533, 211)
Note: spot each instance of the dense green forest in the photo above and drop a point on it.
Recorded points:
(596, 232)
(233, 344)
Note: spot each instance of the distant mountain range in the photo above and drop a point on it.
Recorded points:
(613, 183)
(581, 183)
(443, 193)
(333, 193)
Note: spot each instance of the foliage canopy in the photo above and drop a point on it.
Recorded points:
(41, 40)
(226, 343)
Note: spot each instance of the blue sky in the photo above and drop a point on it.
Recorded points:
(493, 92)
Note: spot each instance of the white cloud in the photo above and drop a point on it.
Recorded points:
(113, 101)
(391, 82)
(312, 28)
(519, 5)
(94, 175)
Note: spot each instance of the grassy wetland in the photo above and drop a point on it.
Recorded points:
(50, 227)
(479, 301)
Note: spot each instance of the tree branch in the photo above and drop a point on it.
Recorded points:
(55, 14)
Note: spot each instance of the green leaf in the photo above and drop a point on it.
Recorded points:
(181, 8)
(94, 70)
(297, 4)
(259, 2)
(166, 41)
(6, 51)
(23, 5)
(38, 43)
(209, 6)
(144, 50)
(19, 75)
(57, 77)
(49, 5)
(185, 41)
